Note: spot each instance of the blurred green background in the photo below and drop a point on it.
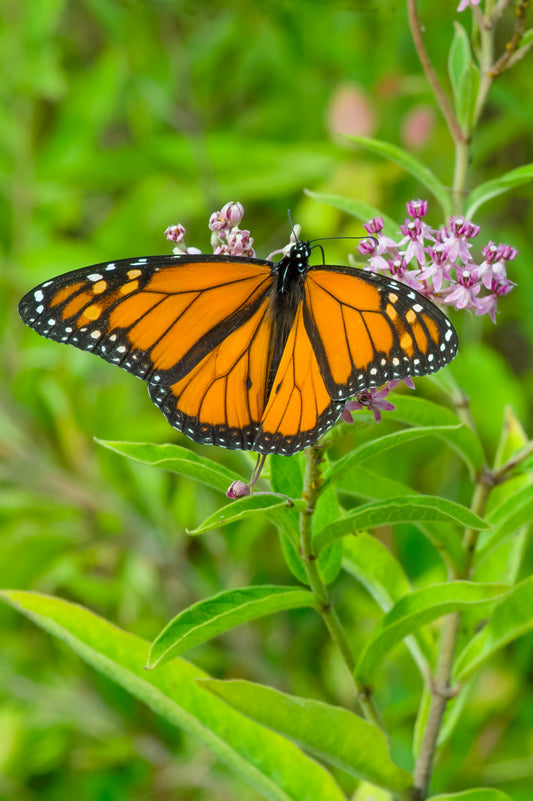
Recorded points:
(119, 118)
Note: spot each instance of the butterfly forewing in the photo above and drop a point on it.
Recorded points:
(150, 316)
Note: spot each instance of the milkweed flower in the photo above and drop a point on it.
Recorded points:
(438, 262)
(464, 4)
(372, 399)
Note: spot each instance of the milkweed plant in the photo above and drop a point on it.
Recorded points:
(285, 745)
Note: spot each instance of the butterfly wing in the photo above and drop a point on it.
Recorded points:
(299, 408)
(367, 329)
(196, 329)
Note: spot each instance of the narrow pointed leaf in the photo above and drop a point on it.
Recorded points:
(482, 794)
(212, 616)
(357, 208)
(458, 58)
(242, 508)
(177, 460)
(374, 566)
(462, 76)
(513, 512)
(361, 482)
(415, 167)
(490, 189)
(369, 792)
(272, 765)
(426, 508)
(414, 611)
(421, 412)
(378, 446)
(511, 618)
(334, 734)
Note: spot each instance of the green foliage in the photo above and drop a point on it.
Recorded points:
(336, 735)
(205, 619)
(269, 763)
(118, 119)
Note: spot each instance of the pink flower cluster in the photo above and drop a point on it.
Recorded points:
(438, 262)
(227, 239)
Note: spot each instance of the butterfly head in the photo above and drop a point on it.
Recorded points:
(299, 256)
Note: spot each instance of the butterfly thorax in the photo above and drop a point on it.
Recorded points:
(292, 268)
(286, 296)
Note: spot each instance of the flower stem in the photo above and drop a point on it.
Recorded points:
(440, 697)
(431, 75)
(459, 175)
(440, 688)
(312, 482)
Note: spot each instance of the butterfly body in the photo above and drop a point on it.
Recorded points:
(241, 352)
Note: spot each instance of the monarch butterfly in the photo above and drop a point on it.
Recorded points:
(243, 352)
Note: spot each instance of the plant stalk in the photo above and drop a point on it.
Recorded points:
(312, 482)
(440, 689)
(431, 75)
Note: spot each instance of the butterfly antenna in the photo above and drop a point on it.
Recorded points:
(329, 238)
(291, 225)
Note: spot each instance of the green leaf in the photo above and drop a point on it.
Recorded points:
(291, 553)
(512, 617)
(376, 447)
(490, 189)
(327, 510)
(369, 792)
(482, 794)
(273, 766)
(415, 610)
(286, 474)
(212, 616)
(356, 208)
(421, 412)
(177, 460)
(415, 167)
(527, 38)
(458, 57)
(374, 566)
(286, 477)
(399, 510)
(512, 439)
(361, 482)
(243, 508)
(513, 512)
(333, 734)
(464, 77)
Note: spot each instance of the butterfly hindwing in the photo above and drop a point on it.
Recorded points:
(299, 408)
(221, 400)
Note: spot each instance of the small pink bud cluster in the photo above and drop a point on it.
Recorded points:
(438, 263)
(227, 239)
(176, 233)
